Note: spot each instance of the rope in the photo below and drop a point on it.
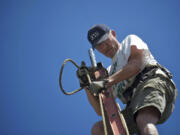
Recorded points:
(77, 90)
(103, 115)
(60, 77)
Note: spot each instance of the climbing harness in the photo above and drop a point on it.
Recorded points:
(110, 110)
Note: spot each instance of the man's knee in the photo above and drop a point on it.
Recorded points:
(97, 128)
(150, 129)
(146, 120)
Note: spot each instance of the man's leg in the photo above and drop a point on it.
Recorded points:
(146, 120)
(97, 128)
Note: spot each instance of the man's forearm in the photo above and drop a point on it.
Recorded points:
(127, 72)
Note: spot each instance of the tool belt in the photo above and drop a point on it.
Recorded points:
(142, 77)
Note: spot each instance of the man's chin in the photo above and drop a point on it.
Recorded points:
(109, 56)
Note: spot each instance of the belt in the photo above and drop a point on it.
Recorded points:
(142, 76)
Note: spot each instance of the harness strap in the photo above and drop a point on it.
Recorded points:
(142, 76)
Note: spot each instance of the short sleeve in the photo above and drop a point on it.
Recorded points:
(135, 40)
(128, 42)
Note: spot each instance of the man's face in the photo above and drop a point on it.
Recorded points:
(108, 47)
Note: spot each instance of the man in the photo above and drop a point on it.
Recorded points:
(136, 78)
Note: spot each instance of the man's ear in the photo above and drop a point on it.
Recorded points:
(113, 33)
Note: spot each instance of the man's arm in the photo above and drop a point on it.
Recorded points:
(132, 68)
(94, 101)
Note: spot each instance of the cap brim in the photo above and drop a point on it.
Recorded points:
(103, 38)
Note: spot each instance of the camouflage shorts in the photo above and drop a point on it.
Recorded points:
(158, 92)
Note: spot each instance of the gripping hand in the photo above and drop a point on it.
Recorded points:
(97, 86)
(83, 72)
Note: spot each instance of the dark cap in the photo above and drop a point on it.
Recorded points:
(97, 34)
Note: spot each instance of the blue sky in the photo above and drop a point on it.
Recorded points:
(37, 35)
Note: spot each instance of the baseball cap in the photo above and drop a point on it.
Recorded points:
(97, 34)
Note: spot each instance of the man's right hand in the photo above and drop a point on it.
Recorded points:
(97, 86)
